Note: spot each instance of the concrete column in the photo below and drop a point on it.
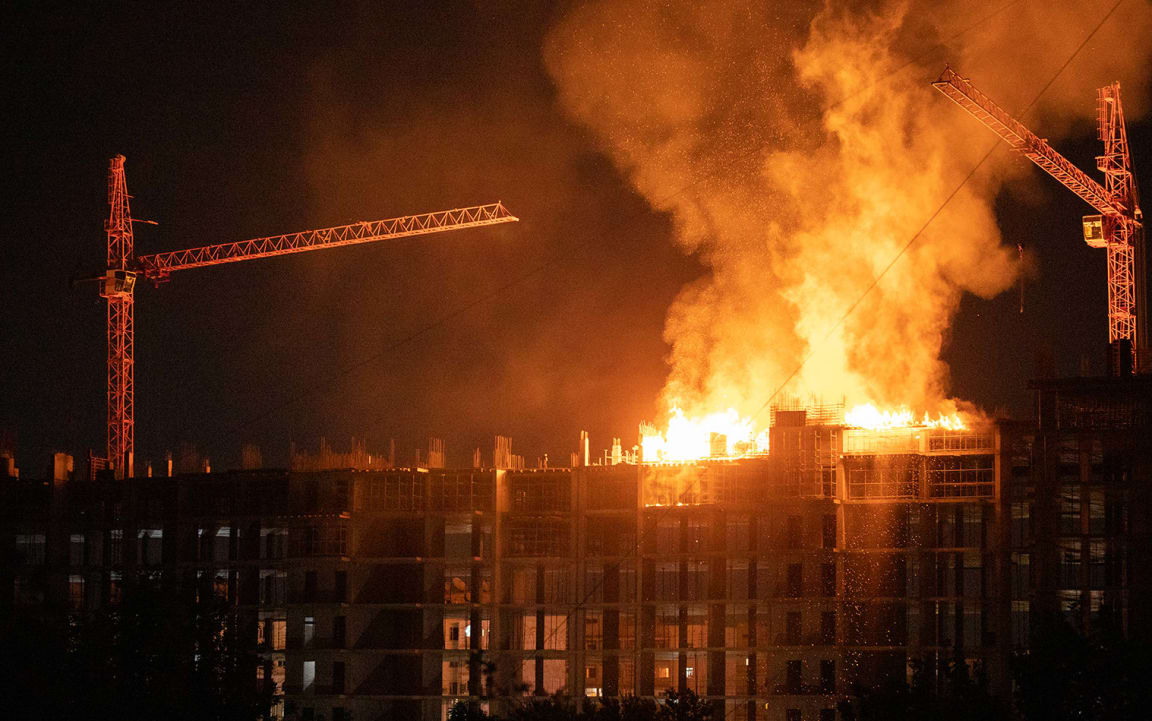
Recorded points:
(502, 672)
(577, 534)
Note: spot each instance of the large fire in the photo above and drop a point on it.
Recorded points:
(871, 418)
(726, 434)
(723, 434)
(809, 183)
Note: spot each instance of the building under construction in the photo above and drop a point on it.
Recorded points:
(771, 585)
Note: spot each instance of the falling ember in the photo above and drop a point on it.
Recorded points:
(724, 434)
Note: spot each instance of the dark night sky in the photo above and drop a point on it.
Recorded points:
(271, 118)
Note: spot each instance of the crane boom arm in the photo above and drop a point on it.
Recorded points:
(157, 266)
(1037, 150)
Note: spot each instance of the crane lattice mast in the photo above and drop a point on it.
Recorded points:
(1118, 228)
(118, 282)
(117, 287)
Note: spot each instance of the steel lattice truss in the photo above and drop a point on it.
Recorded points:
(1125, 235)
(117, 284)
(159, 265)
(121, 356)
(1117, 200)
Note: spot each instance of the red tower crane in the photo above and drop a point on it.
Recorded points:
(118, 282)
(1119, 228)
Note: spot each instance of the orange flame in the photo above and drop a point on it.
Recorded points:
(688, 439)
(870, 417)
(726, 434)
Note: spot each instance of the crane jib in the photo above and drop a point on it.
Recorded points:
(158, 265)
(1118, 228)
(117, 286)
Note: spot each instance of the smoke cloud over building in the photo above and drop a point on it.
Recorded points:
(798, 150)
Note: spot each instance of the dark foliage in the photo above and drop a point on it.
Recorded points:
(545, 708)
(156, 655)
(467, 711)
(672, 706)
(1065, 676)
(961, 694)
(1099, 676)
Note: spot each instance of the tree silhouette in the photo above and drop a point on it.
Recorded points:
(155, 655)
(671, 706)
(1094, 676)
(960, 694)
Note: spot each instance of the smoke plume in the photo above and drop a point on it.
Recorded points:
(799, 149)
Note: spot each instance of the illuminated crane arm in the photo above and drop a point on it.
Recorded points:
(1026, 142)
(159, 265)
(1119, 228)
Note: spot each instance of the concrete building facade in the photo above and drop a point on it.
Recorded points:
(771, 585)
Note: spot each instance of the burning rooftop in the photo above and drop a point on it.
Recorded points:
(728, 435)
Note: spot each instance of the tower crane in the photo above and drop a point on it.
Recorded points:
(118, 282)
(1119, 227)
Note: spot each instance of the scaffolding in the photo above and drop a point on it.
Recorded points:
(791, 408)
